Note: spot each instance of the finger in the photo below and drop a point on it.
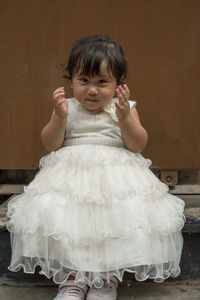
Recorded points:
(61, 99)
(124, 93)
(118, 106)
(59, 102)
(127, 91)
(120, 97)
(59, 90)
(59, 95)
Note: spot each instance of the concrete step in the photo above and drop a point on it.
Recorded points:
(187, 290)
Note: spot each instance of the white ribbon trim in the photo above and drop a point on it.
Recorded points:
(111, 109)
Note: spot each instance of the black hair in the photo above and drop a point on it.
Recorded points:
(88, 53)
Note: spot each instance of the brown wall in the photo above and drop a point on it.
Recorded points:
(161, 41)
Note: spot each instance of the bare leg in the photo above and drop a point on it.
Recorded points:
(112, 280)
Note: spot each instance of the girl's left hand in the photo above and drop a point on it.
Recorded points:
(123, 107)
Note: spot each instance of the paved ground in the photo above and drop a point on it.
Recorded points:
(187, 290)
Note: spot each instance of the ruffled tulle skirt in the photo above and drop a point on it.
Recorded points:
(95, 212)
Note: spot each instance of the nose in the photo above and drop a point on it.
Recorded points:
(92, 91)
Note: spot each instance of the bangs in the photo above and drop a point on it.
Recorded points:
(89, 64)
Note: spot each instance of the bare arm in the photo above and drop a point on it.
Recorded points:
(134, 135)
(53, 133)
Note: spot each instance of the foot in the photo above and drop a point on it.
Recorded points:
(71, 292)
(107, 292)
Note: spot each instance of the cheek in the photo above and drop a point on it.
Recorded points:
(110, 92)
(78, 91)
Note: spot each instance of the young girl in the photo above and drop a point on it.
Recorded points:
(95, 210)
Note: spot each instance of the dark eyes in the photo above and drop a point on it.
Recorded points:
(85, 80)
(102, 81)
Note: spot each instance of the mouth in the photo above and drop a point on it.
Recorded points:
(92, 100)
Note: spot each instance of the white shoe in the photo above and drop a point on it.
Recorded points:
(107, 292)
(71, 292)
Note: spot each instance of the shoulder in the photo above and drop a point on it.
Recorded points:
(132, 103)
(134, 112)
(71, 101)
(73, 104)
(111, 108)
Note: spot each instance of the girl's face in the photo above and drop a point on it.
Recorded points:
(94, 92)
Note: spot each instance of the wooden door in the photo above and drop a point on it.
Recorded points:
(161, 42)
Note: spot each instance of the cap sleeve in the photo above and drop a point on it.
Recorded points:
(132, 103)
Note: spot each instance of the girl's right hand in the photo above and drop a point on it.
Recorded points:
(60, 105)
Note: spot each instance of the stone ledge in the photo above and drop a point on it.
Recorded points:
(3, 218)
(179, 189)
(185, 290)
(6, 189)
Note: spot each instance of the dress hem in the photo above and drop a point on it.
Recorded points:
(98, 283)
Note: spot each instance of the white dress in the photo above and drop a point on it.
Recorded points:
(95, 209)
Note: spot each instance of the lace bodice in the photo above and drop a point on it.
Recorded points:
(85, 128)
